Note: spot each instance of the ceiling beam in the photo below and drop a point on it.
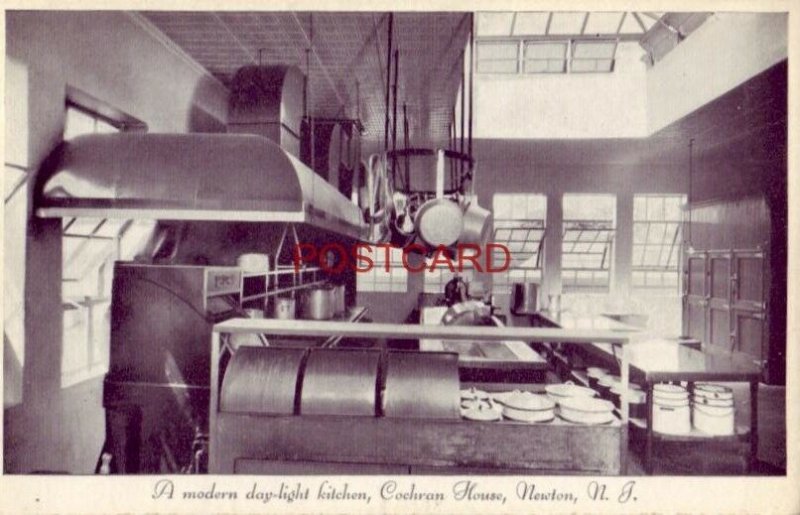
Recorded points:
(235, 37)
(564, 37)
(585, 22)
(639, 21)
(621, 21)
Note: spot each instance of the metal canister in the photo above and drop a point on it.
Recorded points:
(525, 298)
(284, 308)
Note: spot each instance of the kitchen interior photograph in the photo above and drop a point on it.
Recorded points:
(577, 223)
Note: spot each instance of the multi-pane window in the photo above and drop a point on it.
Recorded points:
(594, 56)
(89, 248)
(587, 242)
(535, 56)
(377, 278)
(497, 57)
(546, 57)
(657, 221)
(520, 226)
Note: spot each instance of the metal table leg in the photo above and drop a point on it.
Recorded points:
(648, 451)
(753, 426)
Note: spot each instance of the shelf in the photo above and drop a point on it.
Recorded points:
(254, 297)
(695, 435)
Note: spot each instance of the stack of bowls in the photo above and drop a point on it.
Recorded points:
(713, 409)
(671, 411)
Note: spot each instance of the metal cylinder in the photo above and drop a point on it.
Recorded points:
(525, 298)
(340, 382)
(422, 385)
(261, 380)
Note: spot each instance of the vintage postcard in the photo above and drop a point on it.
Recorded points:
(385, 257)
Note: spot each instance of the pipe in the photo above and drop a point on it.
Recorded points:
(471, 74)
(394, 111)
(463, 103)
(388, 82)
(406, 144)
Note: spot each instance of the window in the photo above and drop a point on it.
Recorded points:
(657, 221)
(497, 57)
(378, 279)
(587, 242)
(593, 56)
(545, 57)
(519, 225)
(555, 42)
(89, 248)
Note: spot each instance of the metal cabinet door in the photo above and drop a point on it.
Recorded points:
(747, 281)
(749, 334)
(694, 297)
(718, 317)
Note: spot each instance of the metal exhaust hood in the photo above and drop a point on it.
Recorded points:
(211, 177)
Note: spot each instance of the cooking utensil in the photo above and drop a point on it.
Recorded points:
(318, 303)
(340, 382)
(533, 417)
(528, 401)
(439, 222)
(253, 262)
(284, 308)
(713, 391)
(525, 298)
(473, 394)
(338, 299)
(558, 392)
(714, 420)
(476, 226)
(586, 410)
(483, 411)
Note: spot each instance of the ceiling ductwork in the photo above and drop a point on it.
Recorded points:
(268, 101)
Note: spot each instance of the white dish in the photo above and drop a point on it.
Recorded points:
(593, 419)
(568, 390)
(474, 393)
(532, 417)
(483, 413)
(527, 401)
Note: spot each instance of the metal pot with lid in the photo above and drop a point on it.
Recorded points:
(318, 303)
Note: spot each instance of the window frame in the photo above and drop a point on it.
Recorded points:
(600, 277)
(520, 272)
(673, 265)
(94, 302)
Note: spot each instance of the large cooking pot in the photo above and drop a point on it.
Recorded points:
(525, 298)
(318, 303)
(477, 225)
(439, 222)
